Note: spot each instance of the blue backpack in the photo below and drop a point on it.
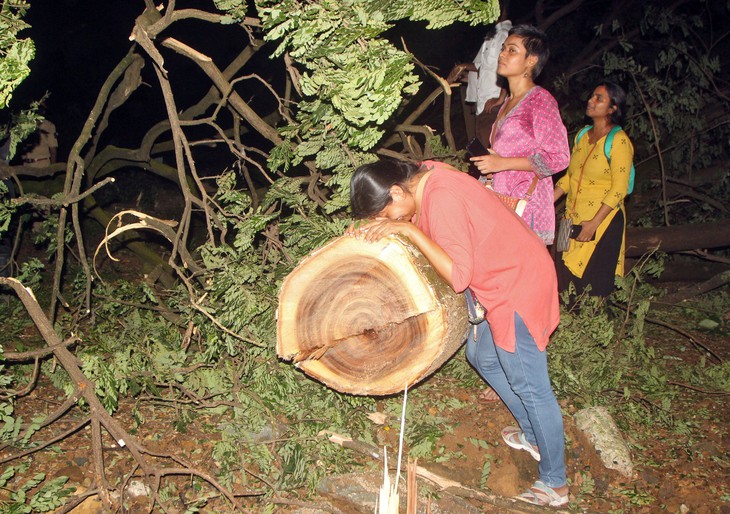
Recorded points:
(607, 150)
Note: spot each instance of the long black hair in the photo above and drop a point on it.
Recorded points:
(535, 42)
(370, 185)
(617, 95)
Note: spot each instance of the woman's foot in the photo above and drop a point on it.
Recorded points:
(515, 438)
(544, 496)
(488, 395)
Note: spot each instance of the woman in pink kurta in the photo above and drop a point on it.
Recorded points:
(529, 139)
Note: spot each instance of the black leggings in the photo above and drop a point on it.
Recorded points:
(601, 270)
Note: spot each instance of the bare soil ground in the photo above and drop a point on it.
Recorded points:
(674, 473)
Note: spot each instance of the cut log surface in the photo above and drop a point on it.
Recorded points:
(368, 318)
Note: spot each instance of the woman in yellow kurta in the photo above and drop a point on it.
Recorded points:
(596, 190)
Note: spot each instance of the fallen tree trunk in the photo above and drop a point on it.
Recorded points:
(368, 318)
(719, 280)
(677, 238)
(685, 270)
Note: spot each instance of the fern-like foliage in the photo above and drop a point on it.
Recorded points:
(352, 80)
(599, 354)
(15, 53)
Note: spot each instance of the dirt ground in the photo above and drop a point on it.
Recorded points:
(673, 473)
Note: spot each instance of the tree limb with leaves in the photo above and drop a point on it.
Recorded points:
(282, 196)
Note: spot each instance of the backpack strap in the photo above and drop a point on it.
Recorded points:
(581, 133)
(607, 150)
(609, 142)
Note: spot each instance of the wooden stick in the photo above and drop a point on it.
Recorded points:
(412, 495)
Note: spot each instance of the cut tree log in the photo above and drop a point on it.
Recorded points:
(368, 318)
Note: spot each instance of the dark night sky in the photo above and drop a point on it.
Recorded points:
(79, 42)
(77, 45)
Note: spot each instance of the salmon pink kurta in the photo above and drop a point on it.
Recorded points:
(480, 234)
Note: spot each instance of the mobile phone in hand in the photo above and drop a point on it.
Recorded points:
(476, 148)
(575, 232)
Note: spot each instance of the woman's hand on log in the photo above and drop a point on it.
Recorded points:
(378, 228)
(373, 230)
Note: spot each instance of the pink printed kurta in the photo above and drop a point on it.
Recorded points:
(533, 129)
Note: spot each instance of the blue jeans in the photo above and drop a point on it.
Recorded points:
(521, 380)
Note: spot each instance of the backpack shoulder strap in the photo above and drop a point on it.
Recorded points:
(609, 142)
(607, 150)
(581, 133)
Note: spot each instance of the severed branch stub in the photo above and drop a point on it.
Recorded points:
(368, 318)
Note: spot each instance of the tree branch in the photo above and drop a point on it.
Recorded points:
(98, 416)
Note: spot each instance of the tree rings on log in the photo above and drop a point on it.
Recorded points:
(368, 318)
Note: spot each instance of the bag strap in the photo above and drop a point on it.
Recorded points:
(580, 178)
(532, 187)
(608, 145)
(581, 133)
(528, 193)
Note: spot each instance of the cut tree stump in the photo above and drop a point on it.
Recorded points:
(368, 318)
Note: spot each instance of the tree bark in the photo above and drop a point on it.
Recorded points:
(368, 318)
(677, 238)
(719, 280)
(685, 270)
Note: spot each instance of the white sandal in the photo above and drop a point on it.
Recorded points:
(515, 438)
(542, 495)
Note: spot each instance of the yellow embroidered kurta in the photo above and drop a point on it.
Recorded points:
(600, 183)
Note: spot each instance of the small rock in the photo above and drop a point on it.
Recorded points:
(135, 489)
(606, 438)
(709, 324)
